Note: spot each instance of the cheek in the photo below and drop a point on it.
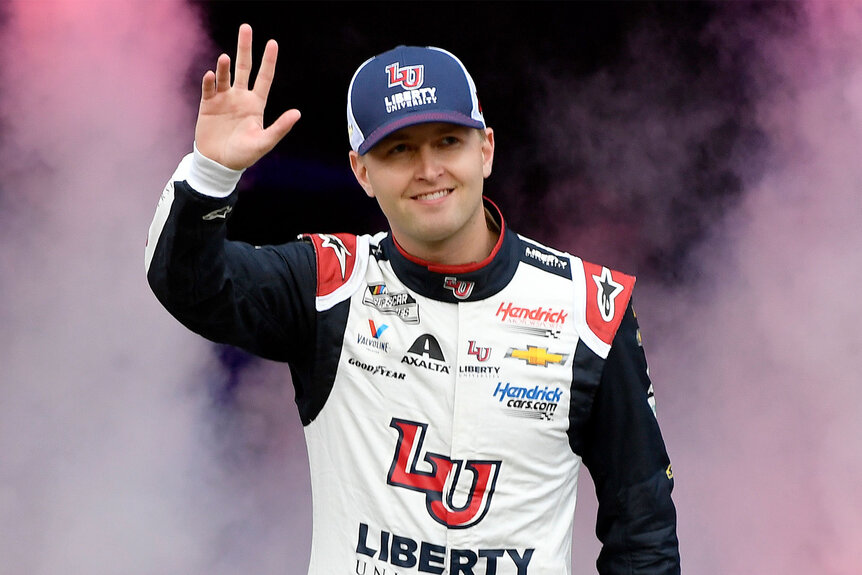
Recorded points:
(386, 186)
(476, 171)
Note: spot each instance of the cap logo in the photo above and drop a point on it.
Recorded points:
(409, 78)
(399, 88)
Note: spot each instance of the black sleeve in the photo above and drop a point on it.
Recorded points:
(627, 459)
(260, 299)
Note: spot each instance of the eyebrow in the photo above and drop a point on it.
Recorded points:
(400, 135)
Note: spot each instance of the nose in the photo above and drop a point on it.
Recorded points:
(428, 164)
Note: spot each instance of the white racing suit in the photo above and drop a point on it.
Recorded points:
(446, 410)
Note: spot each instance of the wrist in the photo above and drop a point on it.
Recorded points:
(210, 178)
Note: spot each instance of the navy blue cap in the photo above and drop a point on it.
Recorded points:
(405, 86)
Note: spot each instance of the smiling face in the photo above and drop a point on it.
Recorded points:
(428, 180)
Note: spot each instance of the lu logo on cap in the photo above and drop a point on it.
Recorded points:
(405, 86)
(409, 77)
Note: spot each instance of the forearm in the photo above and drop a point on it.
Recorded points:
(628, 461)
(188, 232)
(637, 527)
(226, 291)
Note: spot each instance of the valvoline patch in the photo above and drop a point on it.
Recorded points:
(336, 259)
(608, 295)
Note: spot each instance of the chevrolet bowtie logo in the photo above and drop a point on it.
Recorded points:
(537, 355)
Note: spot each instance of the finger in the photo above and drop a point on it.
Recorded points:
(222, 73)
(243, 57)
(263, 82)
(208, 85)
(281, 126)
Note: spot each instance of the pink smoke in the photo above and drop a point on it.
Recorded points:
(787, 445)
(109, 463)
(756, 365)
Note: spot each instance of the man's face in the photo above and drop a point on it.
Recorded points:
(428, 180)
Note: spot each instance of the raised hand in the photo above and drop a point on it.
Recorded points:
(230, 126)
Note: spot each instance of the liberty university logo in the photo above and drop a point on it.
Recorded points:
(410, 77)
(441, 478)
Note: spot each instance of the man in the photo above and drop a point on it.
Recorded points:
(450, 374)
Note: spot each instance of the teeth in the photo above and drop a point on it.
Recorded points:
(433, 195)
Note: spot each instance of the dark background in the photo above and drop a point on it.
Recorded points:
(511, 49)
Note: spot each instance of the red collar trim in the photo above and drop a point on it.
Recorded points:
(461, 268)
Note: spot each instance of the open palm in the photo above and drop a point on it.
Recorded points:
(230, 126)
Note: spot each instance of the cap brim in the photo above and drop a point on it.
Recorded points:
(413, 119)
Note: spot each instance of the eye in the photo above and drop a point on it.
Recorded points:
(449, 140)
(397, 149)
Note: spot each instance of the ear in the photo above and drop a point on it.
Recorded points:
(487, 152)
(360, 171)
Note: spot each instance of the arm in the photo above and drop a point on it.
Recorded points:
(260, 299)
(626, 456)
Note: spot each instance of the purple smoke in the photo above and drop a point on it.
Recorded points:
(112, 460)
(751, 336)
(109, 460)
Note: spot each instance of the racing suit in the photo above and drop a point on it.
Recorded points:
(446, 409)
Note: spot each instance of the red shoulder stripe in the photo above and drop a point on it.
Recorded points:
(336, 258)
(608, 295)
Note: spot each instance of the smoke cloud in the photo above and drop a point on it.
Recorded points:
(731, 187)
(734, 192)
(110, 460)
(774, 350)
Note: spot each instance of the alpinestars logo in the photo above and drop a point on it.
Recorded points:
(219, 214)
(337, 246)
(437, 476)
(607, 293)
(462, 289)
